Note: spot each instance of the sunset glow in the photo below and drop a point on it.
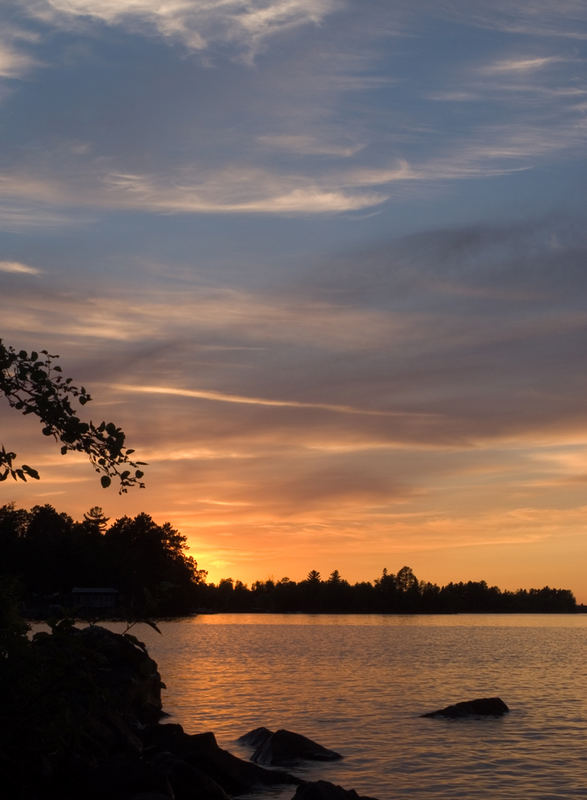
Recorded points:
(324, 262)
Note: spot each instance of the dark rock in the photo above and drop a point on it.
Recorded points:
(84, 695)
(256, 737)
(172, 738)
(232, 773)
(186, 780)
(168, 736)
(127, 670)
(324, 790)
(116, 665)
(283, 747)
(201, 751)
(482, 707)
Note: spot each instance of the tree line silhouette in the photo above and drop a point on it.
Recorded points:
(47, 553)
(401, 593)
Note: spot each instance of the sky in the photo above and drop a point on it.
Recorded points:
(325, 263)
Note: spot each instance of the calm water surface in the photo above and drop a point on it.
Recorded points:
(358, 683)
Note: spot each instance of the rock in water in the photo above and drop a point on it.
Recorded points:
(481, 707)
(283, 747)
(200, 752)
(256, 737)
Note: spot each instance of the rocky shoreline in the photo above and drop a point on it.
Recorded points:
(81, 718)
(87, 723)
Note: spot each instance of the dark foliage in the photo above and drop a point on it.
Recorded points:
(70, 699)
(402, 593)
(34, 384)
(50, 554)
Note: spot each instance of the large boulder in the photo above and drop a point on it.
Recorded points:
(480, 707)
(201, 751)
(324, 790)
(84, 693)
(284, 747)
(127, 671)
(114, 668)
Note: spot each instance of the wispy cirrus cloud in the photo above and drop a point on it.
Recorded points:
(16, 268)
(423, 346)
(568, 19)
(491, 151)
(196, 25)
(15, 58)
(521, 65)
(280, 147)
(229, 190)
(223, 397)
(239, 190)
(13, 62)
(325, 188)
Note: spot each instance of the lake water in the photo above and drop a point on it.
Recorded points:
(357, 684)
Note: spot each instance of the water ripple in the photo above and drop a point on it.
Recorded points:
(358, 685)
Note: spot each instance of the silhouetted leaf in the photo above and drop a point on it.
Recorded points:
(34, 385)
(151, 624)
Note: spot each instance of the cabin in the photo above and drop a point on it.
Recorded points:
(87, 597)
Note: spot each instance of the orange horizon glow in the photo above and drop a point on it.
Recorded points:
(246, 519)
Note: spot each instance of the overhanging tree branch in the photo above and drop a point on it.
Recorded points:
(34, 384)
